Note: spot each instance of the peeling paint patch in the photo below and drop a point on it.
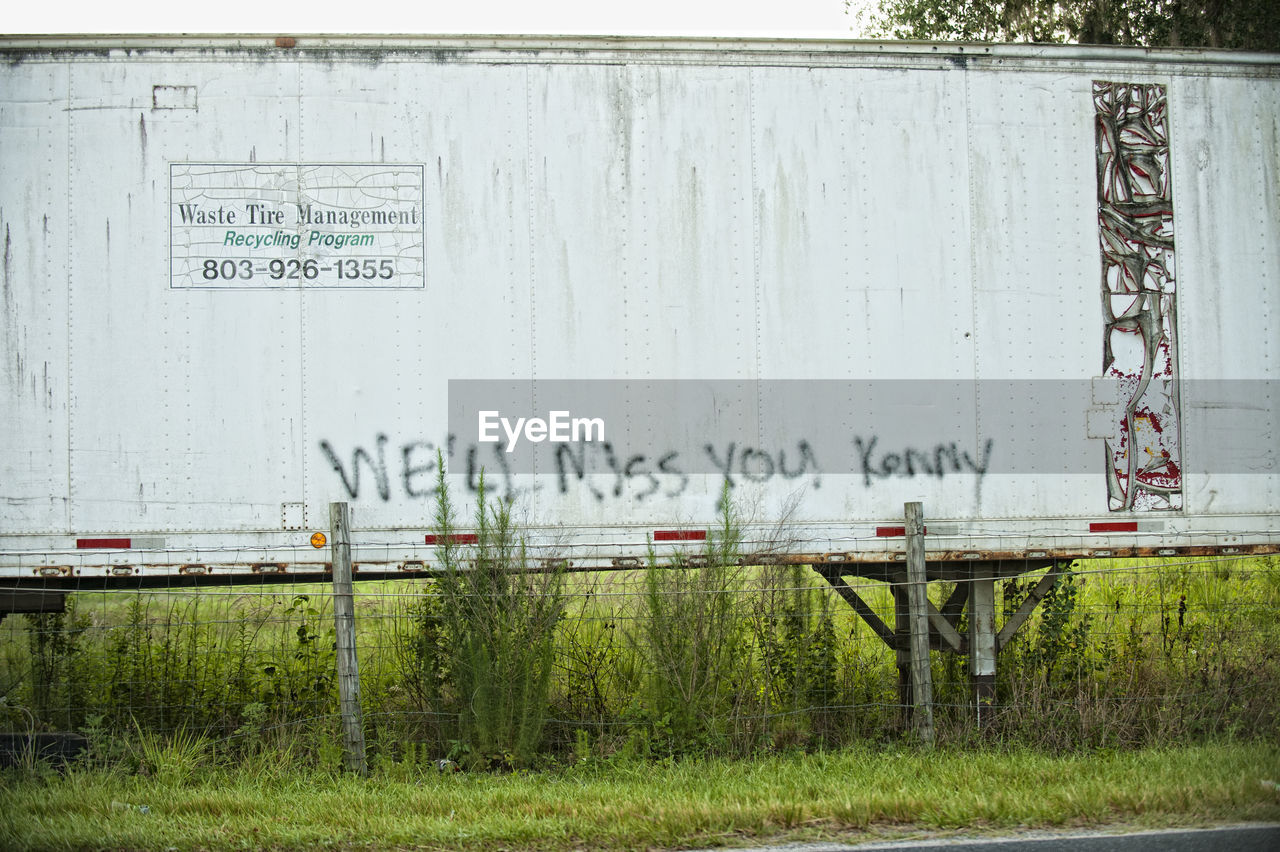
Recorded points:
(1135, 222)
(173, 97)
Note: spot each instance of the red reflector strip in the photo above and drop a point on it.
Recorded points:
(679, 535)
(456, 538)
(894, 532)
(1114, 526)
(102, 543)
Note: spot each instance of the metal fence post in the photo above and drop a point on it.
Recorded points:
(982, 641)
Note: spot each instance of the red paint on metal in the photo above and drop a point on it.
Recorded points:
(102, 543)
(456, 538)
(1113, 526)
(679, 535)
(894, 532)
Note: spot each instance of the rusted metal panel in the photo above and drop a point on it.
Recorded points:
(647, 209)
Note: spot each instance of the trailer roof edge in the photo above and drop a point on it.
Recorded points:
(304, 42)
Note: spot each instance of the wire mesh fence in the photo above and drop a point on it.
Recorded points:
(492, 667)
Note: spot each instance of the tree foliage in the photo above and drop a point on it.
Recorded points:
(1245, 24)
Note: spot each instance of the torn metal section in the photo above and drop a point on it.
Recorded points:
(1135, 221)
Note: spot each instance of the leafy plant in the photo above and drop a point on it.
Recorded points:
(691, 634)
(499, 613)
(1247, 24)
(57, 696)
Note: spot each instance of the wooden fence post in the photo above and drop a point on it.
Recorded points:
(918, 604)
(344, 619)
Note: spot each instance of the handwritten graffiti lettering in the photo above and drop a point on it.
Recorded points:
(417, 469)
(603, 471)
(756, 465)
(375, 461)
(636, 476)
(939, 461)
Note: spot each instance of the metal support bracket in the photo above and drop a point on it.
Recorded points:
(1047, 582)
(861, 608)
(31, 601)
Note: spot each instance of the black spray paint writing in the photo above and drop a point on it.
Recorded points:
(415, 462)
(910, 462)
(608, 474)
(637, 474)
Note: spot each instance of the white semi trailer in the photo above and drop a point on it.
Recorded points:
(1033, 288)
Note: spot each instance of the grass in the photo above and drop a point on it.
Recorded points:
(851, 795)
(213, 711)
(1131, 654)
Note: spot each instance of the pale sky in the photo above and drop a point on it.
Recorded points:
(780, 18)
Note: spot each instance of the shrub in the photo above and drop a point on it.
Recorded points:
(498, 613)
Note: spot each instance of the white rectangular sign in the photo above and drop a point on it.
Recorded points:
(255, 225)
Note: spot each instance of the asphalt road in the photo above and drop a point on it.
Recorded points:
(1240, 838)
